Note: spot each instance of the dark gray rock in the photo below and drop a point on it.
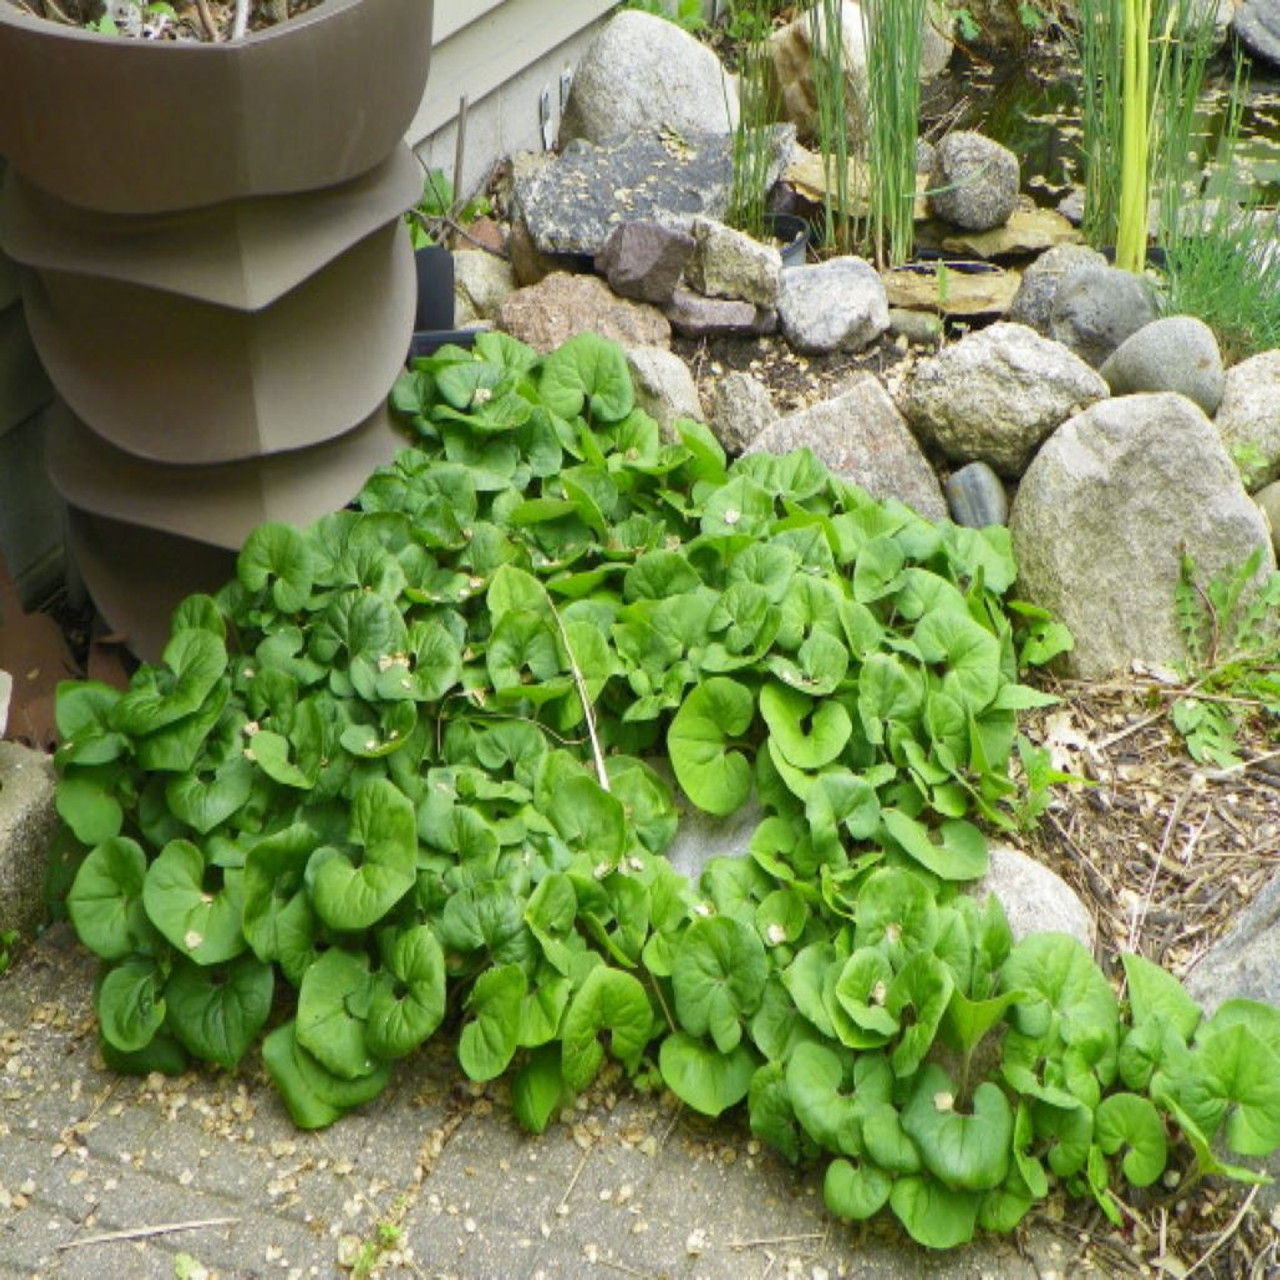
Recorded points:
(1096, 308)
(1101, 515)
(1033, 302)
(1257, 26)
(837, 305)
(975, 181)
(1177, 353)
(976, 497)
(643, 72)
(573, 202)
(743, 409)
(644, 260)
(862, 437)
(1248, 418)
(995, 395)
(694, 316)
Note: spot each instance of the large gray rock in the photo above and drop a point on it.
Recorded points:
(1033, 302)
(548, 313)
(974, 181)
(27, 823)
(1248, 418)
(1095, 309)
(1268, 500)
(995, 395)
(837, 305)
(1245, 964)
(862, 437)
(572, 203)
(482, 282)
(1257, 25)
(1102, 515)
(643, 72)
(743, 409)
(1178, 353)
(1035, 899)
(644, 260)
(727, 263)
(665, 388)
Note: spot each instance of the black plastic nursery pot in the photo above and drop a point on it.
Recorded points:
(433, 322)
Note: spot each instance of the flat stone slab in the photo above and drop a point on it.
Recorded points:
(1029, 230)
(962, 293)
(435, 1168)
(572, 203)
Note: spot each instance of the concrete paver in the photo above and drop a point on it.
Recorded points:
(434, 1179)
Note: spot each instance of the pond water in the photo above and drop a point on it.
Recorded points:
(1034, 110)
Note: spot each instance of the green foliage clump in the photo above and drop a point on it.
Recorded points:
(1231, 626)
(399, 776)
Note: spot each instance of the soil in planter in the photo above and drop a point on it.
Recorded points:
(201, 20)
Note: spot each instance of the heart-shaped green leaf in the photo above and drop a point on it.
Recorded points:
(967, 1152)
(332, 1003)
(130, 1004)
(608, 1000)
(960, 855)
(348, 896)
(716, 713)
(105, 901)
(809, 734)
(202, 923)
(855, 1192)
(277, 555)
(217, 1013)
(408, 995)
(718, 975)
(489, 1038)
(1127, 1121)
(703, 1078)
(204, 802)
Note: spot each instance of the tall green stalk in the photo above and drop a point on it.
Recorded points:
(753, 138)
(893, 31)
(1142, 64)
(826, 47)
(1135, 158)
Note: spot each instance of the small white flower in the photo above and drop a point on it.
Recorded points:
(776, 934)
(251, 727)
(944, 1101)
(731, 517)
(482, 396)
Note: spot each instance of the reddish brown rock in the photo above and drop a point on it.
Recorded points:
(561, 306)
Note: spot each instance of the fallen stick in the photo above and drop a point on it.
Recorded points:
(143, 1233)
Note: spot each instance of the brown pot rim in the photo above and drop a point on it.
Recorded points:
(139, 126)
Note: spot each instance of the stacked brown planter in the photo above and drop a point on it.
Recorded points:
(217, 279)
(30, 528)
